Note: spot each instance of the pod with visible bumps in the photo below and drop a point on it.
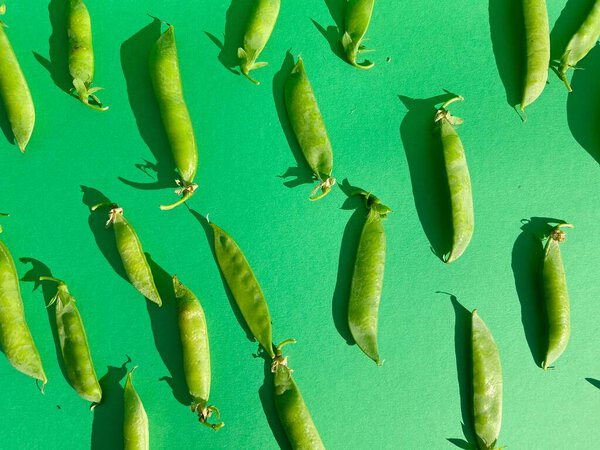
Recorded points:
(135, 421)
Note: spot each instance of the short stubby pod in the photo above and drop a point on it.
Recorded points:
(166, 79)
(135, 421)
(15, 338)
(260, 25)
(367, 278)
(556, 296)
(306, 121)
(14, 92)
(81, 54)
(196, 352)
(244, 287)
(132, 254)
(358, 16)
(293, 412)
(74, 345)
(487, 384)
(459, 180)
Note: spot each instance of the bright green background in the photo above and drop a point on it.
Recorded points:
(547, 167)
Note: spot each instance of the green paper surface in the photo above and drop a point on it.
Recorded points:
(380, 125)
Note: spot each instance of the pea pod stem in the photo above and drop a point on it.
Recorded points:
(186, 193)
(325, 187)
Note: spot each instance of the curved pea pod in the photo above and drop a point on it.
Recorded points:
(196, 352)
(309, 128)
(74, 345)
(358, 16)
(367, 278)
(135, 421)
(132, 254)
(581, 43)
(537, 37)
(556, 296)
(166, 79)
(459, 181)
(260, 25)
(487, 384)
(293, 412)
(14, 92)
(244, 286)
(81, 54)
(15, 337)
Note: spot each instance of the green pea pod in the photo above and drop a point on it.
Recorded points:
(581, 43)
(258, 31)
(358, 16)
(81, 54)
(459, 181)
(487, 384)
(196, 352)
(556, 296)
(293, 413)
(15, 337)
(166, 79)
(245, 288)
(14, 91)
(74, 345)
(132, 254)
(309, 128)
(135, 421)
(367, 279)
(537, 38)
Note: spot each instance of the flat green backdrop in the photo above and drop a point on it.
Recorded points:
(379, 123)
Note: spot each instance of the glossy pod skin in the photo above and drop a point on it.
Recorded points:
(196, 351)
(135, 421)
(15, 338)
(487, 384)
(14, 92)
(459, 181)
(166, 79)
(581, 43)
(261, 23)
(244, 286)
(537, 36)
(556, 296)
(81, 54)
(293, 413)
(132, 254)
(367, 278)
(309, 128)
(358, 16)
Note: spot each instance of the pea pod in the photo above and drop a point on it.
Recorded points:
(293, 412)
(537, 40)
(367, 279)
(131, 252)
(258, 31)
(459, 181)
(581, 43)
(309, 128)
(244, 286)
(14, 91)
(487, 384)
(358, 16)
(81, 54)
(196, 352)
(556, 296)
(135, 421)
(166, 79)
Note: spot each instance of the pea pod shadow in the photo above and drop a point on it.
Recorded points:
(427, 172)
(135, 53)
(5, 124)
(594, 382)
(333, 33)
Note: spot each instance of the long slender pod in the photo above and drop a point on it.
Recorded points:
(367, 279)
(14, 91)
(556, 296)
(358, 17)
(166, 79)
(537, 36)
(261, 23)
(135, 420)
(459, 180)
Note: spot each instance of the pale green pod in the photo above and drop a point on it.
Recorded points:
(358, 17)
(537, 36)
(135, 421)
